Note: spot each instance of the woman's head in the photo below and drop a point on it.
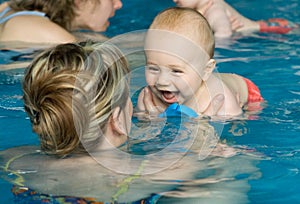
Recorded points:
(61, 12)
(73, 14)
(71, 92)
(94, 14)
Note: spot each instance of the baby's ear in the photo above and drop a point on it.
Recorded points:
(209, 68)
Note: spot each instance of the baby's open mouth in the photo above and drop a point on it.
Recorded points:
(168, 96)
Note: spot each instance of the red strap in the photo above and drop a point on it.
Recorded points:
(275, 25)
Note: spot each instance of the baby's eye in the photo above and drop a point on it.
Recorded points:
(152, 68)
(177, 71)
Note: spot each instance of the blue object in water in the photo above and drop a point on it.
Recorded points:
(178, 110)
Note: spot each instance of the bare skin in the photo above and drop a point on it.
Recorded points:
(222, 17)
(39, 29)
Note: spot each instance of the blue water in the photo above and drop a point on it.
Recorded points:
(270, 60)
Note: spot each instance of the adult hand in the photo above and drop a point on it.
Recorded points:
(235, 23)
(215, 105)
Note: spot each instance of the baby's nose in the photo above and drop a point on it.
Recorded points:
(163, 80)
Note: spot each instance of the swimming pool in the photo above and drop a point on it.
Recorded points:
(270, 60)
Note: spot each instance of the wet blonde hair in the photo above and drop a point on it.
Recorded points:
(189, 23)
(61, 12)
(70, 92)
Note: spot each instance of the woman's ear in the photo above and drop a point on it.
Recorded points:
(79, 4)
(118, 122)
(209, 68)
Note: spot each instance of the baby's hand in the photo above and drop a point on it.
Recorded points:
(146, 107)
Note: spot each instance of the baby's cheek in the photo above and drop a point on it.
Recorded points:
(150, 79)
(188, 92)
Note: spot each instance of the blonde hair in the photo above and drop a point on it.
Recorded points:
(189, 23)
(70, 92)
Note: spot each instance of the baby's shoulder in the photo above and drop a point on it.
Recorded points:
(231, 78)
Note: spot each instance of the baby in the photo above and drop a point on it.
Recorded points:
(224, 19)
(179, 50)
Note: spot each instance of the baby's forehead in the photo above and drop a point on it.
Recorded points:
(167, 57)
(173, 38)
(172, 43)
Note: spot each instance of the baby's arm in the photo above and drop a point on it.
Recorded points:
(218, 19)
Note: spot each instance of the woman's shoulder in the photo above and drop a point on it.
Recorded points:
(38, 29)
(3, 6)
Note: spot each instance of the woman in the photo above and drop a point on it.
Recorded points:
(74, 95)
(39, 21)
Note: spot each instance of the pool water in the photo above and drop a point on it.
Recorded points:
(269, 60)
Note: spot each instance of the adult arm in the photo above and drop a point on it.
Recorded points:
(219, 20)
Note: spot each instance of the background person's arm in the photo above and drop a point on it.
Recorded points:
(219, 21)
